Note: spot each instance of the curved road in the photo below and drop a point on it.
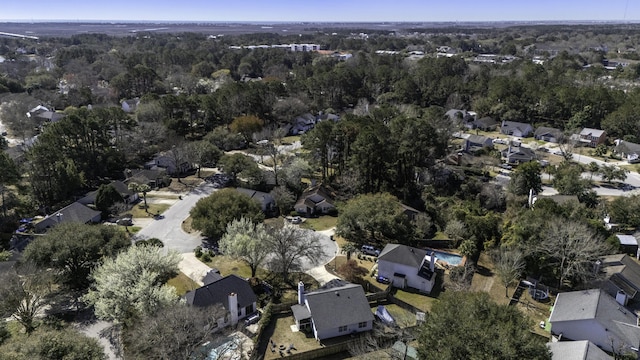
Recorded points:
(169, 229)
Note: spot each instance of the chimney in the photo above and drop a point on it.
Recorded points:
(233, 308)
(300, 293)
(596, 266)
(622, 298)
(432, 263)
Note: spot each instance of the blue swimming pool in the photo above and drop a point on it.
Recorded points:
(449, 258)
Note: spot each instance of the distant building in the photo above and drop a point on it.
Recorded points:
(515, 128)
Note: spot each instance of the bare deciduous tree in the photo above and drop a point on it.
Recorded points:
(289, 245)
(571, 248)
(508, 265)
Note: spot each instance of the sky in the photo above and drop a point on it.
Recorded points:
(321, 11)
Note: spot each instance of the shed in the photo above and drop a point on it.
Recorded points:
(628, 244)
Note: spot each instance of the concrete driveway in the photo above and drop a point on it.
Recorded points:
(168, 228)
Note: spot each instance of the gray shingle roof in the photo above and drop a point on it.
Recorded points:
(402, 254)
(577, 350)
(596, 304)
(338, 306)
(218, 292)
(75, 212)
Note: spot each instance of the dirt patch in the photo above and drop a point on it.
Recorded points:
(185, 184)
(186, 225)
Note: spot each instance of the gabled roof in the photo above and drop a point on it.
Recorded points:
(548, 131)
(625, 147)
(146, 175)
(321, 190)
(486, 122)
(596, 304)
(477, 139)
(262, 197)
(519, 152)
(577, 350)
(514, 125)
(629, 240)
(338, 306)
(592, 132)
(623, 271)
(403, 254)
(75, 212)
(218, 292)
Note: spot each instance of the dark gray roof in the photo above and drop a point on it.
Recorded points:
(338, 306)
(262, 197)
(625, 147)
(548, 131)
(402, 254)
(623, 271)
(519, 153)
(300, 312)
(577, 350)
(485, 122)
(212, 276)
(218, 292)
(477, 139)
(508, 126)
(596, 304)
(75, 212)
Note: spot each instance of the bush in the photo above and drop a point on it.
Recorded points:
(198, 251)
(205, 257)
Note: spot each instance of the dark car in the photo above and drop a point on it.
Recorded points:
(252, 319)
(382, 280)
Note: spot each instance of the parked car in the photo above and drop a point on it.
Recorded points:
(500, 141)
(252, 319)
(382, 280)
(506, 166)
(369, 250)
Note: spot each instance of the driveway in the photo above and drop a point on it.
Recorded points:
(168, 228)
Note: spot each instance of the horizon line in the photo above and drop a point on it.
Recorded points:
(312, 21)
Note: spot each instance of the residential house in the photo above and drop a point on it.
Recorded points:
(315, 200)
(266, 201)
(407, 267)
(548, 134)
(154, 178)
(595, 316)
(518, 154)
(619, 272)
(45, 114)
(461, 116)
(410, 212)
(338, 308)
(130, 105)
(128, 196)
(231, 292)
(474, 143)
(485, 124)
(515, 128)
(576, 350)
(628, 244)
(591, 137)
(628, 151)
(75, 212)
(169, 161)
(302, 124)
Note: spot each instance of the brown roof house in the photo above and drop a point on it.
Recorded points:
(316, 200)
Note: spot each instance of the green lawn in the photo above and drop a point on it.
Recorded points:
(422, 302)
(290, 139)
(320, 223)
(138, 210)
(183, 284)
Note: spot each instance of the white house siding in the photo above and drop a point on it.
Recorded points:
(387, 269)
(583, 330)
(329, 333)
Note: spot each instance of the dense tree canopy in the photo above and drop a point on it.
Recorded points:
(489, 331)
(74, 249)
(212, 214)
(374, 217)
(133, 285)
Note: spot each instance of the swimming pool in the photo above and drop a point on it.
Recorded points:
(449, 258)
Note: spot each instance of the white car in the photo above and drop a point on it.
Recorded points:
(500, 141)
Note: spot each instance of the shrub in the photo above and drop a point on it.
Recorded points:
(205, 257)
(198, 251)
